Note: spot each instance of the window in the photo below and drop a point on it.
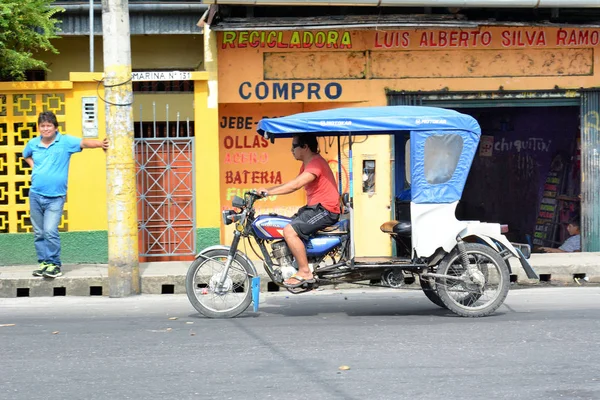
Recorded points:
(442, 153)
(35, 75)
(158, 129)
(368, 176)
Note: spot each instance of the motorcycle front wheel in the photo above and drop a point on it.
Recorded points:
(467, 298)
(208, 296)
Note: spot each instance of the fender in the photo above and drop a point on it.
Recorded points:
(238, 253)
(487, 232)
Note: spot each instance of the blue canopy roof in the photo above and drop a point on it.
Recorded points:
(368, 120)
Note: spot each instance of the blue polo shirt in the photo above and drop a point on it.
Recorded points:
(51, 164)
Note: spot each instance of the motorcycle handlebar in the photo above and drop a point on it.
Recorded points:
(258, 195)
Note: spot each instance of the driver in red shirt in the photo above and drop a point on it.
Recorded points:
(322, 208)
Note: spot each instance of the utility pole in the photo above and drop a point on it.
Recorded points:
(91, 35)
(123, 264)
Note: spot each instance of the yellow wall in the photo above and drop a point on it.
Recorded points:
(152, 52)
(288, 70)
(20, 105)
(207, 158)
(87, 172)
(171, 52)
(86, 197)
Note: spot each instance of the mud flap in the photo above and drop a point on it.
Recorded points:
(255, 292)
(526, 266)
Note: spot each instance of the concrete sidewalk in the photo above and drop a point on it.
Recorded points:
(169, 277)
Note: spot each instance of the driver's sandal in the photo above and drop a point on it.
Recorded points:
(307, 287)
(303, 285)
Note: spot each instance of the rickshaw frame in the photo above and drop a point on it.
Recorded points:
(392, 120)
(457, 262)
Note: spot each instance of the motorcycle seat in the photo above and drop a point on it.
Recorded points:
(401, 228)
(339, 228)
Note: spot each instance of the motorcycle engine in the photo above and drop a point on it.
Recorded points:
(281, 252)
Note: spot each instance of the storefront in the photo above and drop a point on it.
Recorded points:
(530, 88)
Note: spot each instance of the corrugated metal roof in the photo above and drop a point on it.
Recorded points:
(417, 3)
(76, 25)
(144, 19)
(366, 22)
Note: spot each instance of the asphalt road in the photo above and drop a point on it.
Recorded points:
(544, 343)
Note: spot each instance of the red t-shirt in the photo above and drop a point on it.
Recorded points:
(324, 188)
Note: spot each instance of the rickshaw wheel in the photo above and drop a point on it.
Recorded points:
(469, 299)
(431, 293)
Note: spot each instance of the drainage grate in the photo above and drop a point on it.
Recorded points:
(22, 292)
(513, 278)
(168, 289)
(578, 278)
(272, 287)
(95, 290)
(60, 291)
(545, 277)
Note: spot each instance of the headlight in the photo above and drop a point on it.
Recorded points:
(238, 202)
(226, 215)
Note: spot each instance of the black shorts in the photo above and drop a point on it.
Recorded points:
(310, 219)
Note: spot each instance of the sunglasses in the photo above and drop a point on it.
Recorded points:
(294, 145)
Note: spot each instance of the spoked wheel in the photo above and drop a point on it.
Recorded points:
(203, 287)
(480, 293)
(431, 293)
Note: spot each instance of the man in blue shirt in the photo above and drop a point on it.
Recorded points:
(572, 244)
(48, 155)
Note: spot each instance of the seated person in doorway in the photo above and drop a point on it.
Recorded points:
(572, 244)
(322, 208)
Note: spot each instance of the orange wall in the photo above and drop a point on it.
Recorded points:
(276, 73)
(247, 161)
(360, 65)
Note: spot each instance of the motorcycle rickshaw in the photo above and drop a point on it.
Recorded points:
(461, 265)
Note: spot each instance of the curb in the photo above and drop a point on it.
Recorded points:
(169, 277)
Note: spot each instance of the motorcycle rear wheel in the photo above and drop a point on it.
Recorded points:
(468, 299)
(202, 287)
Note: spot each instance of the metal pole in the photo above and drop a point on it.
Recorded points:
(91, 35)
(123, 264)
(340, 184)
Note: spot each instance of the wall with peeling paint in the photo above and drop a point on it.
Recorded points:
(291, 71)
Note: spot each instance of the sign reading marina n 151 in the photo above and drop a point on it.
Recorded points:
(161, 76)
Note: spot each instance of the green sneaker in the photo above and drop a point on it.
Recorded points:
(40, 269)
(52, 271)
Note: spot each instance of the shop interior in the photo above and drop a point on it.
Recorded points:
(526, 173)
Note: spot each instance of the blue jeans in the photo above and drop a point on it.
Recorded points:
(45, 213)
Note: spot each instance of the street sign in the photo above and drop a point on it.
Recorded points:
(161, 76)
